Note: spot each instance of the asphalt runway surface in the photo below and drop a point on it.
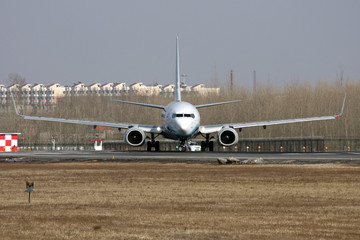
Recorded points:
(171, 157)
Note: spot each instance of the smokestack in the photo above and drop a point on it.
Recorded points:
(231, 80)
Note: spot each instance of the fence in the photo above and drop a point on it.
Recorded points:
(309, 144)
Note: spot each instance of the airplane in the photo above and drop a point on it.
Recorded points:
(181, 122)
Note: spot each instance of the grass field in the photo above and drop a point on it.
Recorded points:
(180, 201)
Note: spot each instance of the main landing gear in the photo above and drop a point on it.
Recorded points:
(153, 144)
(207, 144)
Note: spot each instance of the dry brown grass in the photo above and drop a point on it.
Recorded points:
(179, 201)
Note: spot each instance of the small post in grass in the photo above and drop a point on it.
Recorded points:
(29, 188)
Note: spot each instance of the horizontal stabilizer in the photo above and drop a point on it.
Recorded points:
(141, 104)
(217, 103)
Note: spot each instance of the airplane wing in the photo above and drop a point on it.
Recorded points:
(145, 128)
(215, 128)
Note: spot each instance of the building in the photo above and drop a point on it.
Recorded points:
(79, 89)
(41, 95)
(94, 89)
(55, 91)
(119, 89)
(202, 90)
(107, 89)
(38, 94)
(3, 94)
(25, 94)
(168, 90)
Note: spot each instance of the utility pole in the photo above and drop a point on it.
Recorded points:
(231, 80)
(183, 76)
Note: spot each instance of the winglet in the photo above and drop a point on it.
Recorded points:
(342, 108)
(16, 111)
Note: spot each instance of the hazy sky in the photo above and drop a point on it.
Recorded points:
(134, 41)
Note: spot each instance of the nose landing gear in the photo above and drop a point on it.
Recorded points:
(183, 146)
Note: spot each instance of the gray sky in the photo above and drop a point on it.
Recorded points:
(134, 41)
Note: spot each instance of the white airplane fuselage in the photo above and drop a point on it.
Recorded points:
(182, 120)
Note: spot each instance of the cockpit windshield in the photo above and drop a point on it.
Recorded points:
(180, 115)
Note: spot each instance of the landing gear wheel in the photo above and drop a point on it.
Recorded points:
(211, 146)
(149, 146)
(157, 146)
(182, 148)
(203, 146)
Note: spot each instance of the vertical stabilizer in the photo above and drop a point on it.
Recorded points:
(177, 82)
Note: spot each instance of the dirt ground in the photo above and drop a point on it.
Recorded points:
(96, 200)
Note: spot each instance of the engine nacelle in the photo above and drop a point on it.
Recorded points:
(135, 137)
(228, 136)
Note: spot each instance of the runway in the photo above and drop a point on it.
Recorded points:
(170, 157)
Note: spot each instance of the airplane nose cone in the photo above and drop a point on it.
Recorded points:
(184, 128)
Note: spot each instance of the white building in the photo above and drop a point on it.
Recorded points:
(38, 94)
(106, 89)
(202, 90)
(79, 89)
(94, 89)
(26, 93)
(3, 93)
(55, 91)
(119, 89)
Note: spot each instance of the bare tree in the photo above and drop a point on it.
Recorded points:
(15, 78)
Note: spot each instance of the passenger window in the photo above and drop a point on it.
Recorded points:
(187, 115)
(179, 115)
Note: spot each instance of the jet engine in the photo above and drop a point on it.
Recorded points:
(135, 137)
(228, 136)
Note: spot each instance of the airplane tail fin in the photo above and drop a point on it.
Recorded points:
(177, 81)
